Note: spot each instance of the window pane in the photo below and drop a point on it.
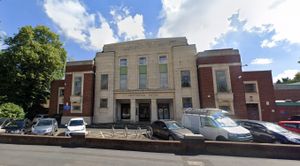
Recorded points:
(163, 60)
(185, 79)
(221, 81)
(123, 81)
(143, 81)
(187, 102)
(103, 103)
(123, 62)
(142, 61)
(77, 86)
(104, 81)
(250, 87)
(61, 92)
(76, 107)
(225, 108)
(163, 80)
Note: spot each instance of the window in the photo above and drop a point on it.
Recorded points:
(163, 59)
(103, 103)
(123, 62)
(104, 81)
(77, 86)
(221, 81)
(187, 102)
(61, 92)
(123, 81)
(142, 61)
(291, 125)
(76, 108)
(250, 87)
(163, 80)
(225, 107)
(123, 74)
(142, 73)
(185, 78)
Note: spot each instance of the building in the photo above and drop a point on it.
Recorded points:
(145, 80)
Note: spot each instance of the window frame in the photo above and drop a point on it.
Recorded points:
(182, 80)
(101, 101)
(73, 84)
(104, 87)
(183, 104)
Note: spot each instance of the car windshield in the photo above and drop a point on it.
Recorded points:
(276, 128)
(173, 125)
(76, 123)
(2, 120)
(44, 123)
(225, 122)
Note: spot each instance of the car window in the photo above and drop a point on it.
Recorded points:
(258, 127)
(12, 124)
(246, 125)
(206, 121)
(44, 123)
(276, 128)
(161, 125)
(173, 125)
(76, 123)
(291, 125)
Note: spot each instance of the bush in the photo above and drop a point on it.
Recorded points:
(11, 110)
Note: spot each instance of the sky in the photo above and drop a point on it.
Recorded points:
(267, 33)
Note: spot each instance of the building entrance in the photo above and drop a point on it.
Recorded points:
(144, 112)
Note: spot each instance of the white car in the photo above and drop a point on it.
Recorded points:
(76, 126)
(213, 124)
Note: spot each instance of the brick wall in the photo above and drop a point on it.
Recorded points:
(219, 59)
(266, 92)
(206, 87)
(54, 95)
(283, 94)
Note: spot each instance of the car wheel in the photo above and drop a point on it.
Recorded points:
(221, 138)
(171, 138)
(277, 142)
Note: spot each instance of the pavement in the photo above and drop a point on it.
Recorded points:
(28, 155)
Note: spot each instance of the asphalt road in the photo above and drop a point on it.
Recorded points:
(28, 155)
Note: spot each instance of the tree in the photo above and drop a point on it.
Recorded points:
(11, 110)
(33, 58)
(288, 80)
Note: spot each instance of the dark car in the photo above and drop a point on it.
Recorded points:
(267, 132)
(295, 118)
(18, 127)
(168, 129)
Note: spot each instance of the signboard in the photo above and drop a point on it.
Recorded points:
(67, 107)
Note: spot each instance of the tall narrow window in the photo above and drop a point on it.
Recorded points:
(77, 86)
(221, 81)
(123, 73)
(104, 81)
(163, 71)
(250, 87)
(142, 73)
(185, 78)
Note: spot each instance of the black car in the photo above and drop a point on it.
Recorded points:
(267, 132)
(169, 129)
(294, 118)
(18, 127)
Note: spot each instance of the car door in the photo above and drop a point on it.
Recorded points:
(261, 133)
(208, 128)
(164, 131)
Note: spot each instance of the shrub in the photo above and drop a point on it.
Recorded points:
(11, 110)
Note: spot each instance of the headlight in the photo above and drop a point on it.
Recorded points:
(49, 130)
(232, 135)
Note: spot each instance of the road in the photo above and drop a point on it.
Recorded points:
(28, 155)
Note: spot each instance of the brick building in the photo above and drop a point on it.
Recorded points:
(151, 79)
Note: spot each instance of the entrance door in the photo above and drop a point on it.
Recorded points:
(125, 111)
(144, 112)
(163, 111)
(252, 111)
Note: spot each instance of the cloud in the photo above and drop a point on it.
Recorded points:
(2, 36)
(286, 73)
(77, 24)
(204, 21)
(261, 61)
(130, 27)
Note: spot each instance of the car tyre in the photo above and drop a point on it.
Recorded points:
(277, 142)
(221, 138)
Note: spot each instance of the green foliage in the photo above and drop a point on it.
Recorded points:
(11, 110)
(33, 58)
(288, 80)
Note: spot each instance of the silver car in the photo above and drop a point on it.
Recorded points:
(47, 126)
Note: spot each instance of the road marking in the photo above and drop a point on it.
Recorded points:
(195, 163)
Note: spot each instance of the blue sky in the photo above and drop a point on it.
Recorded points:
(265, 32)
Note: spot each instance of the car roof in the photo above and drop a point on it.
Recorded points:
(76, 119)
(253, 121)
(285, 121)
(47, 119)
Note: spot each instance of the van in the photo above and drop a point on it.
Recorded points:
(213, 124)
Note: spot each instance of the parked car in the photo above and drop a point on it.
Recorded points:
(293, 126)
(213, 124)
(76, 126)
(267, 132)
(38, 117)
(47, 126)
(18, 127)
(294, 118)
(169, 129)
(3, 123)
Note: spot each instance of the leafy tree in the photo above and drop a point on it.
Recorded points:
(11, 110)
(288, 80)
(33, 58)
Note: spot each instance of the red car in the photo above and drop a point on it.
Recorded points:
(291, 125)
